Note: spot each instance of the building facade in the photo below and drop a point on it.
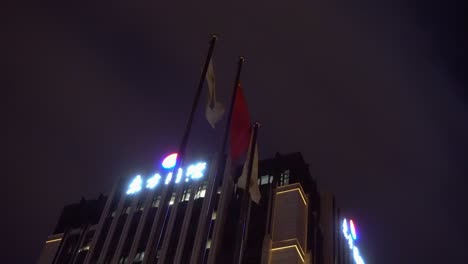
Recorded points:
(292, 223)
(73, 233)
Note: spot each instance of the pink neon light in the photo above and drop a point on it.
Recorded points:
(169, 161)
(353, 229)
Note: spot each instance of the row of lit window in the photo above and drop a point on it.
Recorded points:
(138, 258)
(157, 199)
(267, 179)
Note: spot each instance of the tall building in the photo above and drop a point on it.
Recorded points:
(73, 232)
(337, 234)
(287, 226)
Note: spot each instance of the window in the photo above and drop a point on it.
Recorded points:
(264, 179)
(284, 178)
(171, 202)
(186, 195)
(139, 257)
(140, 206)
(208, 244)
(213, 215)
(123, 260)
(201, 191)
(156, 201)
(126, 210)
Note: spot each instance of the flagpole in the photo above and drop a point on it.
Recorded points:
(245, 202)
(267, 237)
(221, 156)
(183, 146)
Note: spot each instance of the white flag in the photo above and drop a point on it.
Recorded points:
(241, 183)
(214, 109)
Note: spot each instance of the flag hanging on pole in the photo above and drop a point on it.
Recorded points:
(249, 182)
(253, 186)
(214, 109)
(240, 126)
(218, 180)
(165, 219)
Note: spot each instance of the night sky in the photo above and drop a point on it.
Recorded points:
(371, 92)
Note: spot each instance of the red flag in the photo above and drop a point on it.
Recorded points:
(240, 126)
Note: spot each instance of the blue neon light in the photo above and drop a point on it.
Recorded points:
(135, 185)
(168, 178)
(194, 172)
(349, 233)
(153, 181)
(179, 175)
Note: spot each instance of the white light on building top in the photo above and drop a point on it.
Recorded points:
(179, 175)
(135, 185)
(193, 172)
(153, 181)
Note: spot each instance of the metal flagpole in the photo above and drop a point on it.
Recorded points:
(220, 171)
(182, 148)
(245, 202)
(267, 237)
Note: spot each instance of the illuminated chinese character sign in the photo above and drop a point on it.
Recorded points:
(349, 232)
(170, 161)
(194, 171)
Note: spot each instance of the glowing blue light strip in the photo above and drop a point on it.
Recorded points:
(350, 235)
(194, 172)
(135, 185)
(153, 181)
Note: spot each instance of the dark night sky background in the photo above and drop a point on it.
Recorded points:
(371, 92)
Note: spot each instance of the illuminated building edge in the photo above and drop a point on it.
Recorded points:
(288, 247)
(289, 243)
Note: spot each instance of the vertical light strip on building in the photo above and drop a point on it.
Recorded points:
(102, 220)
(110, 233)
(136, 239)
(128, 220)
(185, 224)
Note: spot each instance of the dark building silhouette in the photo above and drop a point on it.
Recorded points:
(77, 224)
(292, 223)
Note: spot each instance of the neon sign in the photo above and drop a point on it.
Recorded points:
(170, 161)
(349, 232)
(135, 185)
(193, 172)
